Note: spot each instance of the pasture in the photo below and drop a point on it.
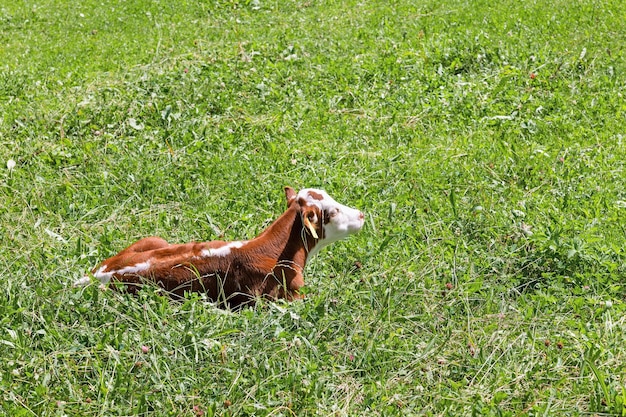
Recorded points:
(484, 141)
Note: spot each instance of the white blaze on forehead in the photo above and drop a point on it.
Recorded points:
(221, 251)
(319, 198)
(324, 202)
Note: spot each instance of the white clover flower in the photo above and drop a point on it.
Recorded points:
(10, 164)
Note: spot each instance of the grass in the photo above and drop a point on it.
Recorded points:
(483, 141)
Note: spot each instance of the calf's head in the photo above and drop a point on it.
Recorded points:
(325, 220)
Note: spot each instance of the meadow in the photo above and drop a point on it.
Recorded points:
(483, 140)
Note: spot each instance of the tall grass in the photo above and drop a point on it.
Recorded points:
(483, 141)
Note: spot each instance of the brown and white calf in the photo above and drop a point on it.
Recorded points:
(236, 273)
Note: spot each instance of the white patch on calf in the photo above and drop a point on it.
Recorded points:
(104, 277)
(133, 269)
(221, 251)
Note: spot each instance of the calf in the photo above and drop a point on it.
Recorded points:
(236, 273)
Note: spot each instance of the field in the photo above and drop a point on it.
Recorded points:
(483, 140)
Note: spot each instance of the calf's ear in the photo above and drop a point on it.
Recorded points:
(291, 195)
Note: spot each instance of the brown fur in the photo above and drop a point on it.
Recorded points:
(271, 265)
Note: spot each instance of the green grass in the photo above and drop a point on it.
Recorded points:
(484, 141)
